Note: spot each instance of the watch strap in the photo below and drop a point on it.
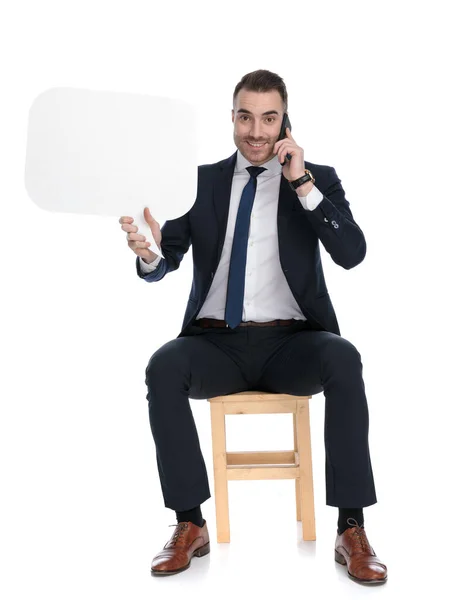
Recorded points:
(298, 182)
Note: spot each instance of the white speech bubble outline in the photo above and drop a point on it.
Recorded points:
(112, 153)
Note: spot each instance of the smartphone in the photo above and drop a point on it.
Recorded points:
(285, 123)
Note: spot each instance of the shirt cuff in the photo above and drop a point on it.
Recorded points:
(148, 267)
(313, 198)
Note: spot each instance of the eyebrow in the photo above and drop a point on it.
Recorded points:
(248, 112)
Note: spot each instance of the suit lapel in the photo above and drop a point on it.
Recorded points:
(221, 198)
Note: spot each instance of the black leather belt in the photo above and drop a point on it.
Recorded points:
(206, 322)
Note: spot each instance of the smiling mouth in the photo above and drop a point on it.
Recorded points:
(256, 147)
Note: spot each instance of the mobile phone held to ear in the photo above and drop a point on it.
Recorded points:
(285, 123)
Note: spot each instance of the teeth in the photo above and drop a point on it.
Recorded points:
(256, 145)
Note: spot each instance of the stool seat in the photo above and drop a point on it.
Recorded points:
(282, 464)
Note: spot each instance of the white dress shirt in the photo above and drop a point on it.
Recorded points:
(267, 295)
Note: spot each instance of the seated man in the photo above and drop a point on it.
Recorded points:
(259, 317)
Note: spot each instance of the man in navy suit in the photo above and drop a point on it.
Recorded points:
(259, 317)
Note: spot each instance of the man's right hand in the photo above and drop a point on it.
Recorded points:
(138, 242)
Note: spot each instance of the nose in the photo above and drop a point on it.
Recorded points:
(255, 131)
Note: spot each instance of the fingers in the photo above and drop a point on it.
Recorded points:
(131, 231)
(135, 240)
(147, 215)
(285, 147)
(129, 220)
(134, 245)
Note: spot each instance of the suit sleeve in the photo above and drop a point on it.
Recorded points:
(334, 224)
(175, 242)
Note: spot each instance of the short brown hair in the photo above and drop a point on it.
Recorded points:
(263, 81)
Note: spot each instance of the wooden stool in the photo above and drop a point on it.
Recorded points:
(291, 464)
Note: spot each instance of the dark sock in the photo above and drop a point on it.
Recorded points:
(194, 515)
(349, 513)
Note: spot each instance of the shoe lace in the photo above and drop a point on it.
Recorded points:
(360, 534)
(180, 530)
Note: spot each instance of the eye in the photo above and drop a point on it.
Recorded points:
(268, 118)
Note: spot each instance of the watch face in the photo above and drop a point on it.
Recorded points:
(310, 173)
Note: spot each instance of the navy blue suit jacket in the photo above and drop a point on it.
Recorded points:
(299, 232)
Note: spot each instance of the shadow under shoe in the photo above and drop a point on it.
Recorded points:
(187, 540)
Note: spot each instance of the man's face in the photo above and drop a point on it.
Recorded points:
(251, 124)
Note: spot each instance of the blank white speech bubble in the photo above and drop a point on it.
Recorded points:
(110, 153)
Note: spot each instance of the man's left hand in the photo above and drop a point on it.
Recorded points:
(294, 168)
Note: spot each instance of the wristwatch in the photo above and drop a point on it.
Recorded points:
(297, 182)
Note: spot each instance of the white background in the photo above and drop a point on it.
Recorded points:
(81, 505)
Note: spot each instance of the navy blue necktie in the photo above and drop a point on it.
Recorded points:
(235, 288)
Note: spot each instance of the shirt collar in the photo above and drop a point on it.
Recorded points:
(273, 165)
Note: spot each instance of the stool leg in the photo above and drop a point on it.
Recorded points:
(220, 472)
(297, 481)
(306, 471)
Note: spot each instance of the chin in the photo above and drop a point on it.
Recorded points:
(264, 157)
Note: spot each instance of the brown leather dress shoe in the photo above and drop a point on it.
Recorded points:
(353, 549)
(188, 540)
